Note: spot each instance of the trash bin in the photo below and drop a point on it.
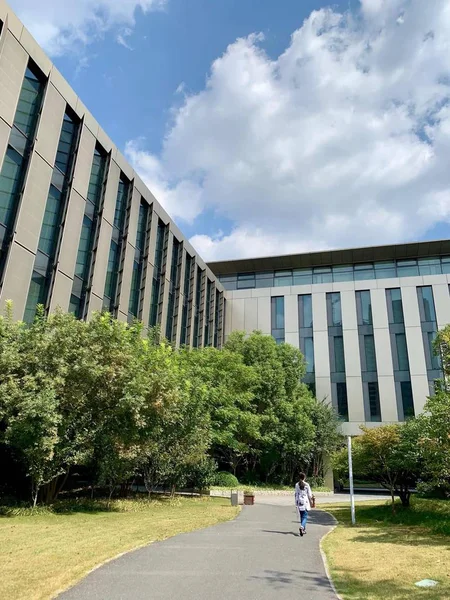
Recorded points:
(234, 498)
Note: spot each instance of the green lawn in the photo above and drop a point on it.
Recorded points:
(385, 554)
(45, 552)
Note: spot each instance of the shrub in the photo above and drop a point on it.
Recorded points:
(225, 479)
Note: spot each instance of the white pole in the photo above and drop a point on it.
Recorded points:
(350, 476)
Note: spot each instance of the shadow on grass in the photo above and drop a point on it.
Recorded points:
(360, 589)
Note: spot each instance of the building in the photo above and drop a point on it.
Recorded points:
(80, 230)
(365, 320)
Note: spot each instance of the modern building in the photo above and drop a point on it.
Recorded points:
(79, 230)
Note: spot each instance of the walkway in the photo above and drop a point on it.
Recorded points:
(257, 556)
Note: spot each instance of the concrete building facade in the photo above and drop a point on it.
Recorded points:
(79, 230)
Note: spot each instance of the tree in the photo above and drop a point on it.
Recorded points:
(388, 455)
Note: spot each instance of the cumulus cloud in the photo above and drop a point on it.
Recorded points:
(62, 26)
(342, 140)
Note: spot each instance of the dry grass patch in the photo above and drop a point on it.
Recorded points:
(45, 553)
(385, 555)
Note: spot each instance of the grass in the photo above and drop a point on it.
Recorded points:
(385, 554)
(45, 551)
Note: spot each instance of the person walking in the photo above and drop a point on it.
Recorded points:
(304, 501)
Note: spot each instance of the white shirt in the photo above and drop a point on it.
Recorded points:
(308, 498)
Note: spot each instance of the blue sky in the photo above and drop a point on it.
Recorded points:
(284, 144)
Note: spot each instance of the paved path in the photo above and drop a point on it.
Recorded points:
(287, 500)
(257, 557)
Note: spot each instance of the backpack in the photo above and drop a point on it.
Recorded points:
(302, 495)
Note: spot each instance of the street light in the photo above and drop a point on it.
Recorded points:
(350, 476)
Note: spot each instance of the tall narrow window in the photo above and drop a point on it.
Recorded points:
(309, 354)
(17, 155)
(402, 352)
(186, 294)
(342, 401)
(374, 401)
(216, 319)
(369, 347)
(429, 332)
(336, 314)
(278, 319)
(170, 334)
(88, 229)
(198, 296)
(305, 320)
(366, 307)
(305, 311)
(138, 263)
(51, 230)
(156, 285)
(339, 358)
(208, 312)
(396, 312)
(407, 399)
(115, 249)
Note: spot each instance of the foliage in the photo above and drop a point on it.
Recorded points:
(388, 455)
(224, 479)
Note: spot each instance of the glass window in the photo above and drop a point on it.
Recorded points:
(365, 303)
(407, 268)
(395, 296)
(374, 401)
(369, 349)
(322, 275)
(407, 399)
(303, 277)
(305, 305)
(135, 289)
(153, 317)
(335, 306)
(75, 305)
(51, 222)
(278, 312)
(402, 352)
(435, 359)
(385, 269)
(29, 104)
(111, 273)
(344, 273)
(121, 205)
(245, 284)
(96, 179)
(84, 248)
(445, 264)
(342, 402)
(429, 266)
(64, 155)
(339, 358)
(364, 272)
(10, 181)
(426, 294)
(309, 354)
(36, 295)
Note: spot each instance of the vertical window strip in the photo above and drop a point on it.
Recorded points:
(208, 312)
(170, 334)
(198, 295)
(186, 293)
(156, 284)
(277, 310)
(51, 229)
(138, 262)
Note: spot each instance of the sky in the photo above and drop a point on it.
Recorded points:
(270, 127)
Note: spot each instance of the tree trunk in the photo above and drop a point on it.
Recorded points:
(391, 489)
(405, 496)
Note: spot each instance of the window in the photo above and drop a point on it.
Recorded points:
(309, 354)
(396, 313)
(425, 294)
(208, 313)
(374, 401)
(344, 273)
(111, 273)
(121, 205)
(176, 248)
(435, 359)
(303, 277)
(36, 295)
(364, 272)
(10, 180)
(342, 401)
(322, 275)
(282, 278)
(369, 349)
(157, 266)
(51, 222)
(365, 304)
(385, 269)
(339, 358)
(30, 101)
(305, 311)
(430, 266)
(407, 268)
(407, 399)
(186, 294)
(402, 352)
(245, 281)
(66, 144)
(335, 308)
(278, 318)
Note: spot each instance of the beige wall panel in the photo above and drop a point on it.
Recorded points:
(292, 338)
(63, 88)
(125, 289)
(410, 306)
(95, 305)
(383, 351)
(83, 165)
(33, 203)
(260, 293)
(238, 315)
(13, 62)
(5, 130)
(14, 24)
(351, 353)
(122, 317)
(321, 354)
(264, 316)
(348, 309)
(123, 164)
(291, 314)
(388, 399)
(323, 389)
(71, 234)
(420, 390)
(251, 314)
(355, 400)
(240, 294)
(101, 261)
(88, 119)
(61, 292)
(112, 185)
(442, 304)
(342, 286)
(35, 51)
(104, 140)
(17, 279)
(416, 354)
(319, 307)
(50, 124)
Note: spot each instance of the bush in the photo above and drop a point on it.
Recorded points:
(225, 479)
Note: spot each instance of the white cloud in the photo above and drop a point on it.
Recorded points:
(342, 140)
(62, 26)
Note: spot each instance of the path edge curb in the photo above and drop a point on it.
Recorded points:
(325, 559)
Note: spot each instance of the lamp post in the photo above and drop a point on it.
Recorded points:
(350, 476)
